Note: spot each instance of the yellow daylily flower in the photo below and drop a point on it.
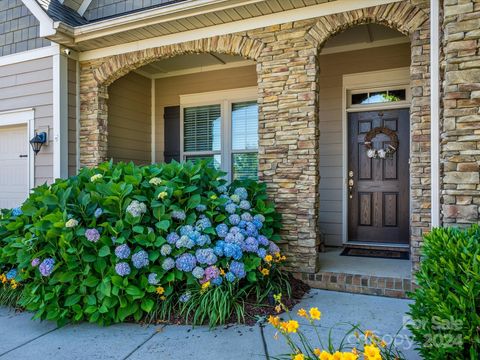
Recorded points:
(315, 314)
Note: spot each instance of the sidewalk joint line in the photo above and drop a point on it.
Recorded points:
(27, 342)
(143, 343)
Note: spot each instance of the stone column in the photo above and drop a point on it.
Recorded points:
(460, 146)
(288, 136)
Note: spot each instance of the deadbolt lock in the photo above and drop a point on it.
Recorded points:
(350, 174)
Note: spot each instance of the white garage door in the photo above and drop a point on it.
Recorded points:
(14, 165)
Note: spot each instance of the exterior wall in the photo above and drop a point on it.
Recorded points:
(332, 68)
(460, 147)
(168, 91)
(287, 72)
(129, 119)
(29, 85)
(100, 8)
(18, 28)
(72, 117)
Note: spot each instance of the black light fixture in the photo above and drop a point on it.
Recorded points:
(37, 141)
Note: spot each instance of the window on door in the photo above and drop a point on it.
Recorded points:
(225, 131)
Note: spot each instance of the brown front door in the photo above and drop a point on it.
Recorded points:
(378, 201)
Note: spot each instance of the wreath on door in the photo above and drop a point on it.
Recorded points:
(385, 152)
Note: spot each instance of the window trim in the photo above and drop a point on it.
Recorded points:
(224, 98)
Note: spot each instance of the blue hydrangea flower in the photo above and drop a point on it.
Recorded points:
(165, 250)
(168, 264)
(35, 262)
(152, 279)
(122, 269)
(172, 238)
(232, 250)
(230, 277)
(122, 251)
(217, 281)
(206, 256)
(231, 208)
(257, 223)
(140, 259)
(239, 238)
(198, 272)
(238, 269)
(234, 219)
(12, 274)
(262, 240)
(230, 238)
(186, 262)
(222, 230)
(242, 224)
(234, 230)
(17, 211)
(251, 229)
(98, 213)
(235, 198)
(201, 208)
(259, 217)
(136, 208)
(184, 230)
(225, 196)
(262, 253)
(46, 267)
(251, 244)
(211, 272)
(185, 297)
(241, 192)
(92, 235)
(218, 249)
(185, 242)
(222, 189)
(179, 215)
(244, 205)
(203, 240)
(193, 235)
(246, 216)
(203, 224)
(273, 248)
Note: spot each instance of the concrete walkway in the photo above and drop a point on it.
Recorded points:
(24, 339)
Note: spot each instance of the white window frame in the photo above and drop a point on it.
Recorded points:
(224, 98)
(23, 117)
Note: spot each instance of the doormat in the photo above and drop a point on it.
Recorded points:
(375, 253)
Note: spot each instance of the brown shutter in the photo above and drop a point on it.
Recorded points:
(172, 133)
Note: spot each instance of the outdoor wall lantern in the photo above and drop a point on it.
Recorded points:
(37, 141)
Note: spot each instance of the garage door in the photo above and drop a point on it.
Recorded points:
(14, 165)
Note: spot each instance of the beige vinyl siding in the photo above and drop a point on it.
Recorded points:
(29, 84)
(72, 116)
(332, 68)
(169, 89)
(129, 120)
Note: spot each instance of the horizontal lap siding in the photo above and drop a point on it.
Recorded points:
(129, 120)
(168, 91)
(332, 68)
(29, 85)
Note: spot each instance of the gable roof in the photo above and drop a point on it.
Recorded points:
(59, 12)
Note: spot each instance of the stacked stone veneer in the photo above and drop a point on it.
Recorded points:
(460, 148)
(287, 67)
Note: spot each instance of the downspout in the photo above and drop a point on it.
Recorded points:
(435, 112)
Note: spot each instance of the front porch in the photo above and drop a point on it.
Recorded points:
(273, 104)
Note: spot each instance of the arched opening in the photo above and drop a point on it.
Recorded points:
(187, 107)
(365, 92)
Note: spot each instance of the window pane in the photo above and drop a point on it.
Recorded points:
(245, 166)
(201, 128)
(216, 159)
(379, 97)
(397, 95)
(245, 126)
(358, 99)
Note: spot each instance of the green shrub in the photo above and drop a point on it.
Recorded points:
(123, 241)
(446, 312)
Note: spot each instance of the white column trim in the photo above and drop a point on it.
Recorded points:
(435, 112)
(60, 115)
(153, 130)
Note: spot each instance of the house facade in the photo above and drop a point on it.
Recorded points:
(361, 116)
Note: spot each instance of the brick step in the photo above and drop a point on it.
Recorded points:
(359, 284)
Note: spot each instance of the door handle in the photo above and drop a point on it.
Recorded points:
(351, 183)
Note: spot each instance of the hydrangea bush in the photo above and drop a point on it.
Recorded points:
(116, 241)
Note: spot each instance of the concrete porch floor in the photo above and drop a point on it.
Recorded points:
(372, 276)
(24, 339)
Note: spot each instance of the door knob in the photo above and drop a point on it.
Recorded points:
(350, 184)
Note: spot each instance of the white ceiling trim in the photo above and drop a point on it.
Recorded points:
(197, 69)
(364, 45)
(83, 7)
(308, 12)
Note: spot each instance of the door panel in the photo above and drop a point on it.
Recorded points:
(378, 205)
